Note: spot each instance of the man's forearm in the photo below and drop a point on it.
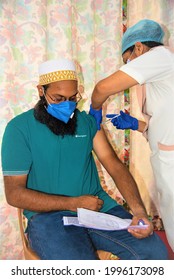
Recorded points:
(129, 190)
(37, 201)
(19, 196)
(126, 185)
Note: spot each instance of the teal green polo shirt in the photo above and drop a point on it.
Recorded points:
(54, 164)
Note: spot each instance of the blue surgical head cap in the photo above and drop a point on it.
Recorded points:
(143, 31)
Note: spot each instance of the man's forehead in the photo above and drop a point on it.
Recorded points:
(63, 84)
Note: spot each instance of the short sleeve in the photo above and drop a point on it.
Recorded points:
(93, 125)
(154, 65)
(15, 152)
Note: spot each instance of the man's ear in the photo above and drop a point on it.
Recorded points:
(40, 90)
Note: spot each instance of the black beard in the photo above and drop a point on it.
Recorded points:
(56, 126)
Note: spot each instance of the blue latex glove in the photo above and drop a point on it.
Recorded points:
(124, 121)
(97, 114)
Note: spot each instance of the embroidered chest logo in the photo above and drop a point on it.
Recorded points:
(82, 136)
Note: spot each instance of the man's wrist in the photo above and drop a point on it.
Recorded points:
(139, 211)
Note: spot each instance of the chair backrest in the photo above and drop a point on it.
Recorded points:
(29, 254)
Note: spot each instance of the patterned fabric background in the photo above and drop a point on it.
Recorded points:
(89, 32)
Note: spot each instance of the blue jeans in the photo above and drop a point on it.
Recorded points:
(51, 240)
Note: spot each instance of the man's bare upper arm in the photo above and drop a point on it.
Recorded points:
(104, 150)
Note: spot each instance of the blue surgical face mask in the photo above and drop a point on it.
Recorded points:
(62, 111)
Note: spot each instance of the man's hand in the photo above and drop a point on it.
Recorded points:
(97, 114)
(124, 121)
(141, 233)
(89, 202)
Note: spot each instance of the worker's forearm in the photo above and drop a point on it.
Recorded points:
(98, 98)
(100, 93)
(115, 83)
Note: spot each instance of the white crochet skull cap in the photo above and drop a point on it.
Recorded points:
(57, 70)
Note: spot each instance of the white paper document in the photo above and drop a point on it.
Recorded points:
(98, 220)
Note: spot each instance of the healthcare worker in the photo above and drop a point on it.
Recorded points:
(150, 64)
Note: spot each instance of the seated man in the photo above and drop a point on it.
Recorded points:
(49, 171)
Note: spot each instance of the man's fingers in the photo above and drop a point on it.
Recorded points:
(100, 202)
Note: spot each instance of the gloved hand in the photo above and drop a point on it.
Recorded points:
(97, 114)
(124, 121)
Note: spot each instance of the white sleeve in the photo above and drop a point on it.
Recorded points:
(154, 65)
